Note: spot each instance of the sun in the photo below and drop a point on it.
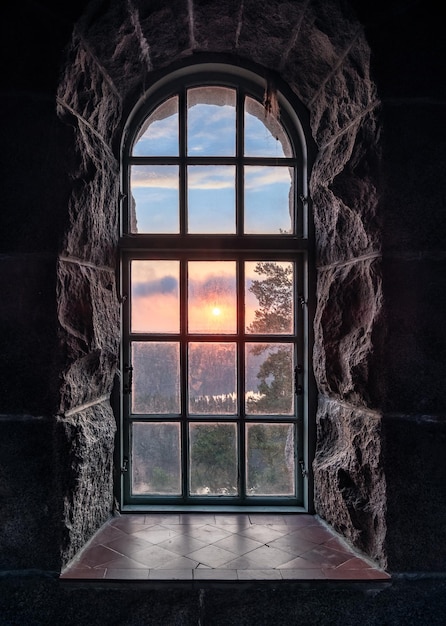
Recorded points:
(216, 311)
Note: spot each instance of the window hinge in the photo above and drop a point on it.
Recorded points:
(302, 300)
(303, 469)
(125, 465)
(128, 369)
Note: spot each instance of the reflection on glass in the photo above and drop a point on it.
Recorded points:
(154, 204)
(212, 378)
(269, 301)
(156, 377)
(213, 459)
(269, 379)
(268, 200)
(270, 459)
(264, 135)
(211, 199)
(211, 121)
(156, 458)
(159, 134)
(212, 297)
(155, 302)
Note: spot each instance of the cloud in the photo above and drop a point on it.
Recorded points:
(164, 285)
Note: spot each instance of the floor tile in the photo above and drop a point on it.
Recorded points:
(126, 574)
(171, 574)
(154, 556)
(238, 544)
(181, 562)
(212, 556)
(260, 558)
(259, 574)
(292, 543)
(261, 533)
(183, 544)
(214, 574)
(207, 533)
(156, 534)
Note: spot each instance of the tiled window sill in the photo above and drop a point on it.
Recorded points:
(220, 547)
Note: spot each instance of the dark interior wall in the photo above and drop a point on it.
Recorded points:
(379, 472)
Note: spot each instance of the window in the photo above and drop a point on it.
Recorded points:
(213, 268)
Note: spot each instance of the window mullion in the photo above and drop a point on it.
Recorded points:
(183, 168)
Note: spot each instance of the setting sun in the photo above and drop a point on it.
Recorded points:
(216, 311)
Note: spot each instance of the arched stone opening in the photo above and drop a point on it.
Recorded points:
(319, 50)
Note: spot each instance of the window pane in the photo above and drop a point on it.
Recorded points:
(213, 459)
(269, 301)
(212, 297)
(269, 200)
(158, 135)
(269, 379)
(156, 377)
(156, 458)
(212, 378)
(155, 296)
(211, 199)
(211, 121)
(154, 203)
(264, 135)
(270, 459)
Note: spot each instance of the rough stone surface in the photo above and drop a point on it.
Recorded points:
(350, 487)
(85, 448)
(349, 306)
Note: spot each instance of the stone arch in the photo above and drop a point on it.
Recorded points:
(319, 49)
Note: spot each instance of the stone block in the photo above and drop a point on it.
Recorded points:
(29, 515)
(349, 479)
(85, 449)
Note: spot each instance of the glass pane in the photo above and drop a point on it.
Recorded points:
(155, 296)
(211, 121)
(212, 297)
(156, 377)
(213, 459)
(264, 135)
(156, 458)
(269, 301)
(269, 200)
(158, 135)
(212, 378)
(270, 459)
(269, 379)
(154, 203)
(211, 199)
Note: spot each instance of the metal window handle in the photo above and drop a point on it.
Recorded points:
(128, 369)
(298, 390)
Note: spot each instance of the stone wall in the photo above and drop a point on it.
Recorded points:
(323, 56)
(377, 196)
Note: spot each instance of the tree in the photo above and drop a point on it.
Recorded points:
(274, 293)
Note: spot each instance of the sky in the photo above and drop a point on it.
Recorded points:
(211, 189)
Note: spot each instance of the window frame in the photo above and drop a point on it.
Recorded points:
(203, 246)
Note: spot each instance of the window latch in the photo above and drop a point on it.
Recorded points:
(297, 386)
(125, 465)
(128, 369)
(303, 469)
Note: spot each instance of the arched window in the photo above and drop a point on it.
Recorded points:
(214, 255)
